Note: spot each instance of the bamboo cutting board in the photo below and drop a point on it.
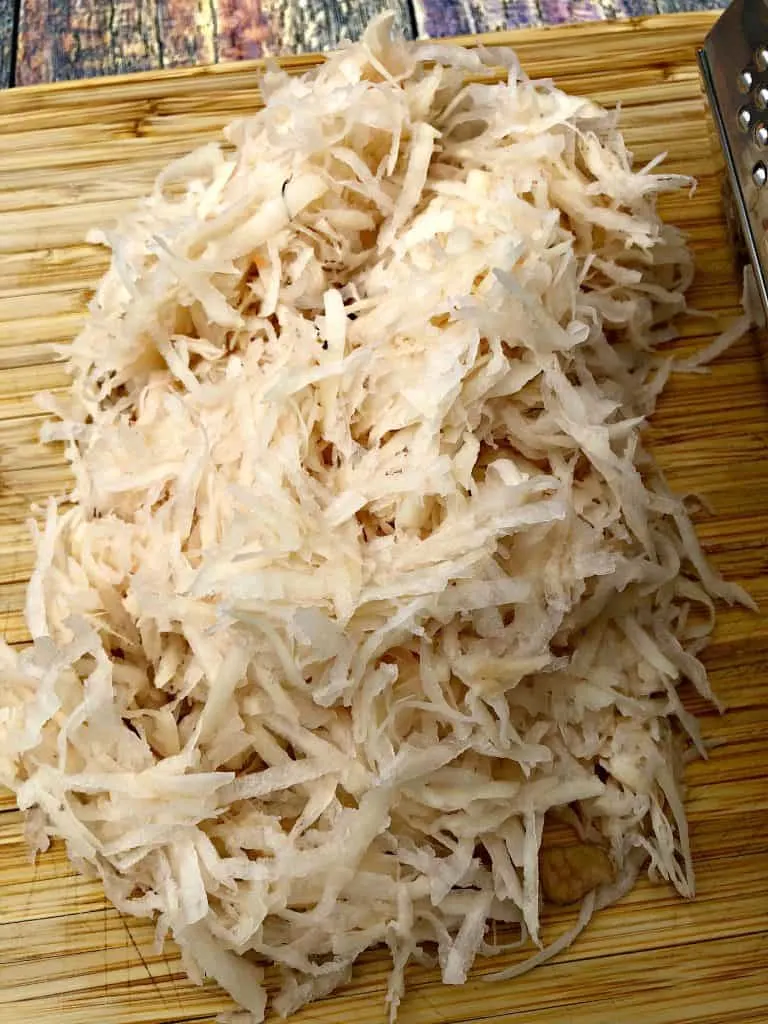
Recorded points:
(72, 156)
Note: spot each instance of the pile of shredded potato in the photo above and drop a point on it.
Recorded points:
(365, 572)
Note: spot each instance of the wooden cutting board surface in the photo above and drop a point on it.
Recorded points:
(72, 156)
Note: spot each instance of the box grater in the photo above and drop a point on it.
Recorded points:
(734, 69)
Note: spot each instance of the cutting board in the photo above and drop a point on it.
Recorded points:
(73, 156)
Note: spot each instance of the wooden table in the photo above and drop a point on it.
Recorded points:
(74, 155)
(53, 40)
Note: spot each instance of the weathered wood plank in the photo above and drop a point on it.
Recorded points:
(622, 42)
(242, 30)
(635, 8)
(457, 17)
(256, 28)
(68, 39)
(560, 12)
(85, 38)
(8, 12)
(186, 32)
(443, 17)
(679, 6)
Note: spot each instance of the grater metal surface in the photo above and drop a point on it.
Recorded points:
(734, 69)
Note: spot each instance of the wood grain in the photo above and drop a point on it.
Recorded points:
(459, 17)
(79, 153)
(79, 39)
(186, 31)
(64, 39)
(574, 53)
(61, 40)
(242, 30)
(298, 26)
(671, 6)
(8, 13)
(636, 8)
(85, 38)
(255, 28)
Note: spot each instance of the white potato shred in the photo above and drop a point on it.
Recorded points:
(366, 573)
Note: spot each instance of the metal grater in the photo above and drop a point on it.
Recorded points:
(734, 68)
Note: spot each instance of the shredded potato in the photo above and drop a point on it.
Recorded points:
(365, 571)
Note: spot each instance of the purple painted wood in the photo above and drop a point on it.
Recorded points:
(81, 38)
(438, 18)
(673, 6)
(455, 17)
(60, 39)
(636, 8)
(518, 14)
(258, 28)
(242, 30)
(492, 15)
